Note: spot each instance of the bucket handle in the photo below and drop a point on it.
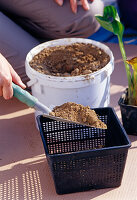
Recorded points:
(32, 82)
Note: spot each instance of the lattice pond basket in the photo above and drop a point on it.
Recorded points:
(83, 158)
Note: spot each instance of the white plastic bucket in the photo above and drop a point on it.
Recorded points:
(91, 90)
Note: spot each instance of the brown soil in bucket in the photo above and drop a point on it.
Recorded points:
(78, 113)
(70, 60)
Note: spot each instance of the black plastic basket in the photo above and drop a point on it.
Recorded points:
(83, 158)
(128, 114)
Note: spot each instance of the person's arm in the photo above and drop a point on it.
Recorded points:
(74, 3)
(7, 76)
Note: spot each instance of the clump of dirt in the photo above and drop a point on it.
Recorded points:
(70, 60)
(78, 113)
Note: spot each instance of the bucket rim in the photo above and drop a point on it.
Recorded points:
(38, 48)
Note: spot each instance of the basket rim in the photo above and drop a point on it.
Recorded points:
(104, 149)
(88, 151)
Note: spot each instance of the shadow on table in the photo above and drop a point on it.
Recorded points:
(10, 106)
(31, 179)
(24, 172)
(19, 139)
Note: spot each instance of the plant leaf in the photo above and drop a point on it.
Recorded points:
(133, 63)
(111, 21)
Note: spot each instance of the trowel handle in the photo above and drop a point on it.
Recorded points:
(24, 96)
(28, 99)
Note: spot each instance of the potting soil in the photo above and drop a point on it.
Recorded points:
(70, 60)
(78, 113)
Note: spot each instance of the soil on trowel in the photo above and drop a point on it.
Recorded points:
(78, 113)
(70, 60)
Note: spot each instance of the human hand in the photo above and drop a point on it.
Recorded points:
(74, 4)
(7, 75)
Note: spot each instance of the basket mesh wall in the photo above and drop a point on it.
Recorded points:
(83, 158)
(66, 137)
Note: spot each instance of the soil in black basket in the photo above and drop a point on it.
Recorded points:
(78, 113)
(70, 60)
